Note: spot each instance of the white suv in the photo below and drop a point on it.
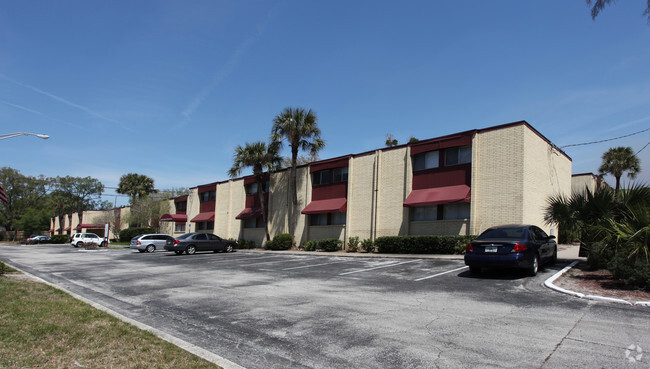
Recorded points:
(80, 239)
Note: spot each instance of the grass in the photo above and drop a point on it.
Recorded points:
(41, 326)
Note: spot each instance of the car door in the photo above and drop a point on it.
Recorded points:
(201, 241)
(216, 243)
(546, 246)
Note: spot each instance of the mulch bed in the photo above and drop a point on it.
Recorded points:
(599, 282)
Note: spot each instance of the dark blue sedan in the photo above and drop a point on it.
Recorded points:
(511, 246)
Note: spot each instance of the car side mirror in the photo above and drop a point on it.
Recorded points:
(551, 237)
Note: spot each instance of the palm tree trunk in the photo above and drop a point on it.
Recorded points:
(293, 217)
(260, 193)
(618, 185)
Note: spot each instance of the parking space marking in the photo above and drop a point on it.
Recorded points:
(315, 265)
(439, 274)
(379, 267)
(243, 258)
(273, 261)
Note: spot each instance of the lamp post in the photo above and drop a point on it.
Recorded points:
(12, 135)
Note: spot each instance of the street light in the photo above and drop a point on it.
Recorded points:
(11, 135)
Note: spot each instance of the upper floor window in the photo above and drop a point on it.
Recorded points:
(251, 188)
(426, 160)
(424, 213)
(321, 177)
(181, 205)
(340, 175)
(203, 226)
(207, 196)
(458, 155)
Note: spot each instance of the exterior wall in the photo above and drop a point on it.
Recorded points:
(392, 186)
(497, 190)
(168, 227)
(361, 199)
(580, 182)
(279, 203)
(547, 172)
(231, 200)
(192, 209)
(440, 227)
(303, 184)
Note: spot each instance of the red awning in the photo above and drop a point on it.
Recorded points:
(174, 218)
(439, 195)
(204, 217)
(94, 226)
(339, 204)
(250, 213)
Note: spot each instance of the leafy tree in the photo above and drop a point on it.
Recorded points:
(74, 194)
(136, 186)
(300, 129)
(599, 5)
(23, 193)
(413, 139)
(618, 160)
(33, 221)
(391, 140)
(147, 210)
(260, 157)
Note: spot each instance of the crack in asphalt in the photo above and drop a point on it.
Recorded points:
(566, 336)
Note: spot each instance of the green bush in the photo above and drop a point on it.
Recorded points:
(60, 238)
(310, 245)
(368, 245)
(635, 272)
(423, 244)
(330, 244)
(2, 268)
(353, 244)
(245, 244)
(127, 234)
(283, 241)
(599, 255)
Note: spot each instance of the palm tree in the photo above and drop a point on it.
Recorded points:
(300, 129)
(618, 160)
(136, 185)
(260, 157)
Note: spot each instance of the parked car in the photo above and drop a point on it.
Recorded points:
(193, 242)
(150, 242)
(79, 239)
(511, 246)
(35, 239)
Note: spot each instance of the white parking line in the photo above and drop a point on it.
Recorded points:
(379, 267)
(273, 261)
(439, 274)
(242, 258)
(315, 265)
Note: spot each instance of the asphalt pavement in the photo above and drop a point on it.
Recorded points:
(306, 310)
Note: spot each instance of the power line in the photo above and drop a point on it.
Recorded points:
(609, 139)
(646, 145)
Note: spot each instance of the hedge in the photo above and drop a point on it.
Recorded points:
(283, 241)
(127, 234)
(423, 244)
(327, 244)
(60, 238)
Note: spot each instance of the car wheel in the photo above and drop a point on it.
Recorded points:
(103, 244)
(229, 248)
(475, 270)
(532, 271)
(151, 248)
(178, 252)
(79, 244)
(190, 250)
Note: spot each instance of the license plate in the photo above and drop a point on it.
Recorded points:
(491, 249)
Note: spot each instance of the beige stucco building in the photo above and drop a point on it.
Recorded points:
(458, 184)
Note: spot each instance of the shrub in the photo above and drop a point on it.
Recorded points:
(283, 241)
(599, 255)
(127, 234)
(245, 244)
(330, 244)
(368, 245)
(635, 272)
(353, 244)
(60, 238)
(2, 268)
(310, 245)
(423, 244)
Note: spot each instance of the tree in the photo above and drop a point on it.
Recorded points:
(74, 194)
(136, 186)
(413, 140)
(618, 160)
(599, 5)
(23, 193)
(260, 157)
(147, 210)
(391, 140)
(300, 129)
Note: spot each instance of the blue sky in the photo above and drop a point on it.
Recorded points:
(169, 88)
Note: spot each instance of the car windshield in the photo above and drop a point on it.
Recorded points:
(186, 235)
(506, 233)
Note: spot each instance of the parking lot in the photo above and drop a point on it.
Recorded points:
(276, 310)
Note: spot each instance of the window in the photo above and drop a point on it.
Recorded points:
(424, 213)
(458, 155)
(207, 196)
(202, 226)
(179, 227)
(327, 219)
(200, 237)
(251, 189)
(538, 234)
(254, 222)
(181, 205)
(426, 160)
(321, 177)
(340, 175)
(456, 211)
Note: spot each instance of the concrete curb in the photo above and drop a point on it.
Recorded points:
(198, 351)
(549, 284)
(356, 254)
